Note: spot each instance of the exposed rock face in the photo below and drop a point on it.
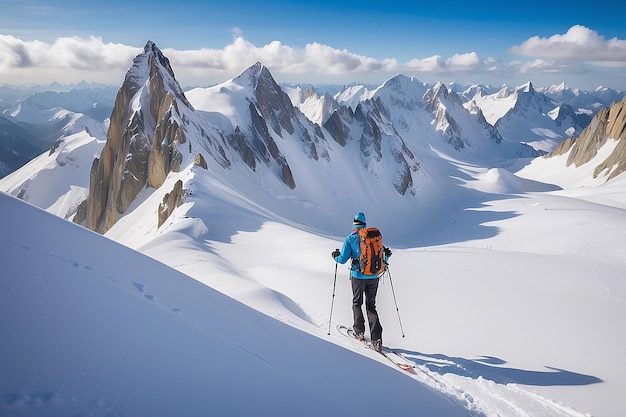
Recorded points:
(147, 126)
(273, 104)
(562, 148)
(200, 161)
(607, 123)
(81, 213)
(337, 124)
(443, 104)
(171, 200)
(273, 118)
(370, 126)
(447, 125)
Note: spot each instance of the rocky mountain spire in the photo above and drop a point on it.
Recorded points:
(438, 101)
(607, 123)
(146, 125)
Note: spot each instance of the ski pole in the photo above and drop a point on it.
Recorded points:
(394, 300)
(332, 303)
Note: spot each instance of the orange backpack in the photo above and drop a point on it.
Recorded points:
(372, 259)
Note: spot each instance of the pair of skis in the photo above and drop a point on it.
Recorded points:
(392, 356)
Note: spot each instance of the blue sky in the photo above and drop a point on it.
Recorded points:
(324, 41)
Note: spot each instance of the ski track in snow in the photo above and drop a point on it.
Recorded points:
(488, 398)
(479, 396)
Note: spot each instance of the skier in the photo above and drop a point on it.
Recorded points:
(362, 284)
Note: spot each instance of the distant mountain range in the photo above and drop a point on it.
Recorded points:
(46, 113)
(291, 143)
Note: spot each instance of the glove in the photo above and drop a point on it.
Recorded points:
(335, 253)
(387, 252)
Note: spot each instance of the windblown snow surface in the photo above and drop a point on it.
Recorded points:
(511, 304)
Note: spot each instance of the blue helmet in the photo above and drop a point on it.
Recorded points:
(359, 220)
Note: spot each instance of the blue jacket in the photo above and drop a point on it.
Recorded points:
(352, 249)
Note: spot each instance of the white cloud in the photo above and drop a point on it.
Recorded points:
(579, 43)
(464, 62)
(73, 59)
(65, 53)
(313, 58)
(458, 62)
(64, 60)
(433, 63)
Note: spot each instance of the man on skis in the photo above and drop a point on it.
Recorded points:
(364, 275)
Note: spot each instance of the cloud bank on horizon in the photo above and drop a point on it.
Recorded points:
(581, 57)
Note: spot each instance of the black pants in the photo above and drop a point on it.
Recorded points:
(369, 288)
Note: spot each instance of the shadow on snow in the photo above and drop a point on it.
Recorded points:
(490, 368)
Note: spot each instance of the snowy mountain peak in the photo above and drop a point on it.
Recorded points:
(436, 96)
(272, 102)
(475, 90)
(503, 92)
(526, 88)
(400, 82)
(148, 122)
(250, 76)
(352, 95)
(152, 50)
(558, 88)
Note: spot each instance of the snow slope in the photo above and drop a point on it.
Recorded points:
(87, 336)
(57, 181)
(520, 316)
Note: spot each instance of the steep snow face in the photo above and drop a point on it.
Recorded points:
(466, 130)
(261, 123)
(351, 96)
(110, 318)
(401, 91)
(527, 116)
(317, 109)
(381, 149)
(76, 122)
(495, 106)
(58, 180)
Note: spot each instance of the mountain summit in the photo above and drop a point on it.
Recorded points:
(148, 121)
